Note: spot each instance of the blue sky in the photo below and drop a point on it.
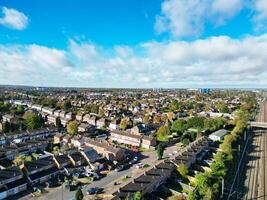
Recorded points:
(146, 43)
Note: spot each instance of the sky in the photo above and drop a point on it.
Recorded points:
(140, 44)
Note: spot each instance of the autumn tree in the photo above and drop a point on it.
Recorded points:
(123, 124)
(163, 133)
(72, 127)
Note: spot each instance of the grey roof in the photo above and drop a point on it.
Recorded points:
(219, 133)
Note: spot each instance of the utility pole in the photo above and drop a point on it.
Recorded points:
(222, 188)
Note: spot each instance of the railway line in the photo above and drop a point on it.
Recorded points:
(254, 176)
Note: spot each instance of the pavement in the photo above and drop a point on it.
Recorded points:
(150, 158)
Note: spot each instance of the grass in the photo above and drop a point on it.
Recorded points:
(126, 178)
(146, 165)
(142, 149)
(85, 180)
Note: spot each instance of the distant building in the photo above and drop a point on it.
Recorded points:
(204, 90)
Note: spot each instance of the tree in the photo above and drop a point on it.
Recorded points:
(123, 124)
(137, 196)
(156, 119)
(146, 119)
(163, 133)
(79, 194)
(6, 127)
(170, 116)
(196, 122)
(19, 160)
(58, 122)
(185, 141)
(222, 107)
(160, 151)
(66, 105)
(72, 127)
(32, 120)
(175, 105)
(183, 171)
(179, 126)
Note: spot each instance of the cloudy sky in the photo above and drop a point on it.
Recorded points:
(144, 43)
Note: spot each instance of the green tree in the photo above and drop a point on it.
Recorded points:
(58, 122)
(196, 122)
(66, 105)
(179, 126)
(137, 196)
(6, 127)
(163, 133)
(222, 107)
(79, 194)
(32, 120)
(160, 151)
(185, 141)
(174, 106)
(183, 171)
(72, 127)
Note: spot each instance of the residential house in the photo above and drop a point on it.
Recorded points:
(8, 118)
(125, 138)
(37, 107)
(101, 123)
(79, 117)
(41, 170)
(92, 158)
(58, 138)
(148, 142)
(62, 161)
(84, 127)
(77, 159)
(107, 150)
(69, 116)
(115, 124)
(47, 110)
(77, 141)
(52, 119)
(57, 113)
(64, 121)
(12, 181)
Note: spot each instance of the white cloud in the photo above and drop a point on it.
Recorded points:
(260, 15)
(188, 18)
(215, 61)
(13, 19)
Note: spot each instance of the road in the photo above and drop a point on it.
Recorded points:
(252, 181)
(107, 182)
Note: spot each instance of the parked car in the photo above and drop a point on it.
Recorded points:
(140, 165)
(95, 190)
(119, 168)
(134, 160)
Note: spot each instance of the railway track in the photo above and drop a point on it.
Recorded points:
(252, 168)
(255, 175)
